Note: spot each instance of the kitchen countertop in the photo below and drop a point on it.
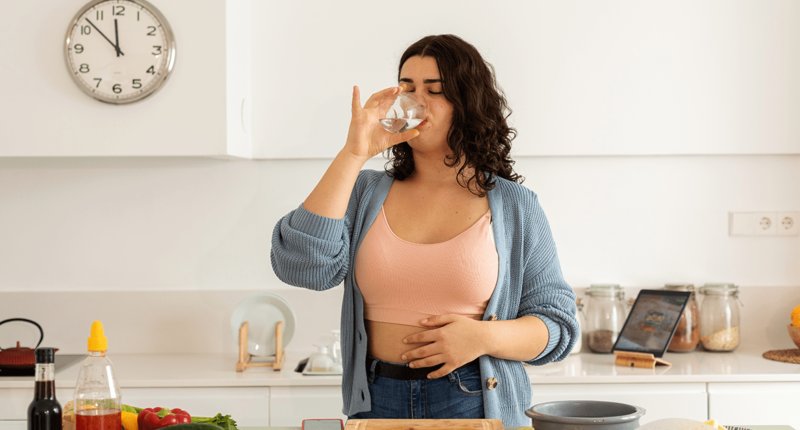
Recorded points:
(742, 365)
(22, 425)
(514, 428)
(218, 370)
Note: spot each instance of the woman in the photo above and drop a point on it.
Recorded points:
(450, 271)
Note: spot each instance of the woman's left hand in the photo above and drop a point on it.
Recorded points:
(456, 342)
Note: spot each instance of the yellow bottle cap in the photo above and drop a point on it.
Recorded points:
(97, 341)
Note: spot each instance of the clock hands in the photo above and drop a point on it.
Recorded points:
(116, 47)
(116, 37)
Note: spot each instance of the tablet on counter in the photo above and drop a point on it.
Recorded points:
(652, 322)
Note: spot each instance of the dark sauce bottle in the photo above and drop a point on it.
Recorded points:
(44, 413)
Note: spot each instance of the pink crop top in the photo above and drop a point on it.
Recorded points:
(404, 282)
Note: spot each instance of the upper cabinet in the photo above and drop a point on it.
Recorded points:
(619, 77)
(174, 77)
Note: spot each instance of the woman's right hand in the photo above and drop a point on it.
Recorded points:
(366, 137)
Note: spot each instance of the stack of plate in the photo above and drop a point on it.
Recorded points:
(263, 311)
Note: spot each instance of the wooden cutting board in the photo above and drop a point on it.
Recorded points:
(473, 424)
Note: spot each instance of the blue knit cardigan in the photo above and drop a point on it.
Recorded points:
(318, 253)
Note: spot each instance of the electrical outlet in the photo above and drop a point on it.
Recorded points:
(765, 223)
(788, 223)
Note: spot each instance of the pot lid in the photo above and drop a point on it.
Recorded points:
(19, 348)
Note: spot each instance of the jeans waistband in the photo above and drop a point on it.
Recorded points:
(403, 372)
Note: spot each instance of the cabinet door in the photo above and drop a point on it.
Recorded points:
(13, 425)
(201, 111)
(289, 406)
(659, 400)
(647, 79)
(249, 406)
(14, 402)
(754, 403)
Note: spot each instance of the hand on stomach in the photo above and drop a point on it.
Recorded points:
(386, 340)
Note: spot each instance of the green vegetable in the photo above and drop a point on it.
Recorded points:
(164, 412)
(194, 426)
(223, 421)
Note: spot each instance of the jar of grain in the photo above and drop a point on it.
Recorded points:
(687, 334)
(719, 317)
(605, 316)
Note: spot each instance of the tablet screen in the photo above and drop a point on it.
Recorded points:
(652, 321)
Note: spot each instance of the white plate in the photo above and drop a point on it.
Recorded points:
(263, 311)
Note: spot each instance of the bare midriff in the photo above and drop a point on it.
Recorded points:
(386, 340)
(424, 218)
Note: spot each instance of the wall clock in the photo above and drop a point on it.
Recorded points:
(120, 51)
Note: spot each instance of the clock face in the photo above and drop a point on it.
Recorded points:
(120, 51)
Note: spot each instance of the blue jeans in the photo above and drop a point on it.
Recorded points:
(455, 395)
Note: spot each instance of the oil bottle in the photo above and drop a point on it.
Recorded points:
(97, 398)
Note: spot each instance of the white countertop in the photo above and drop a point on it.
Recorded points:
(22, 425)
(741, 365)
(218, 370)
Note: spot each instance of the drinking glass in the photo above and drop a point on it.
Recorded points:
(405, 113)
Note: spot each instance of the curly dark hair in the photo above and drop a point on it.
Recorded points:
(479, 133)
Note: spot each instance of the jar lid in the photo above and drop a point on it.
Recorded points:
(721, 288)
(603, 290)
(604, 287)
(679, 287)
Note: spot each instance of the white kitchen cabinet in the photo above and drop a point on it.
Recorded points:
(642, 80)
(754, 403)
(612, 94)
(14, 402)
(687, 400)
(202, 110)
(289, 406)
(14, 425)
(249, 406)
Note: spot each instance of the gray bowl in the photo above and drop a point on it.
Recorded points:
(585, 415)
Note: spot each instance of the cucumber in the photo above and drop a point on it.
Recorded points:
(194, 426)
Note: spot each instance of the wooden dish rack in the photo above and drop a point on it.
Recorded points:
(245, 358)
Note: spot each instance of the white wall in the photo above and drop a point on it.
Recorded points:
(187, 224)
(198, 321)
(122, 239)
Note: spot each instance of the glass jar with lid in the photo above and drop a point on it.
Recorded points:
(605, 316)
(719, 317)
(582, 325)
(687, 334)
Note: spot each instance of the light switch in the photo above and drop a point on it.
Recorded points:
(741, 224)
